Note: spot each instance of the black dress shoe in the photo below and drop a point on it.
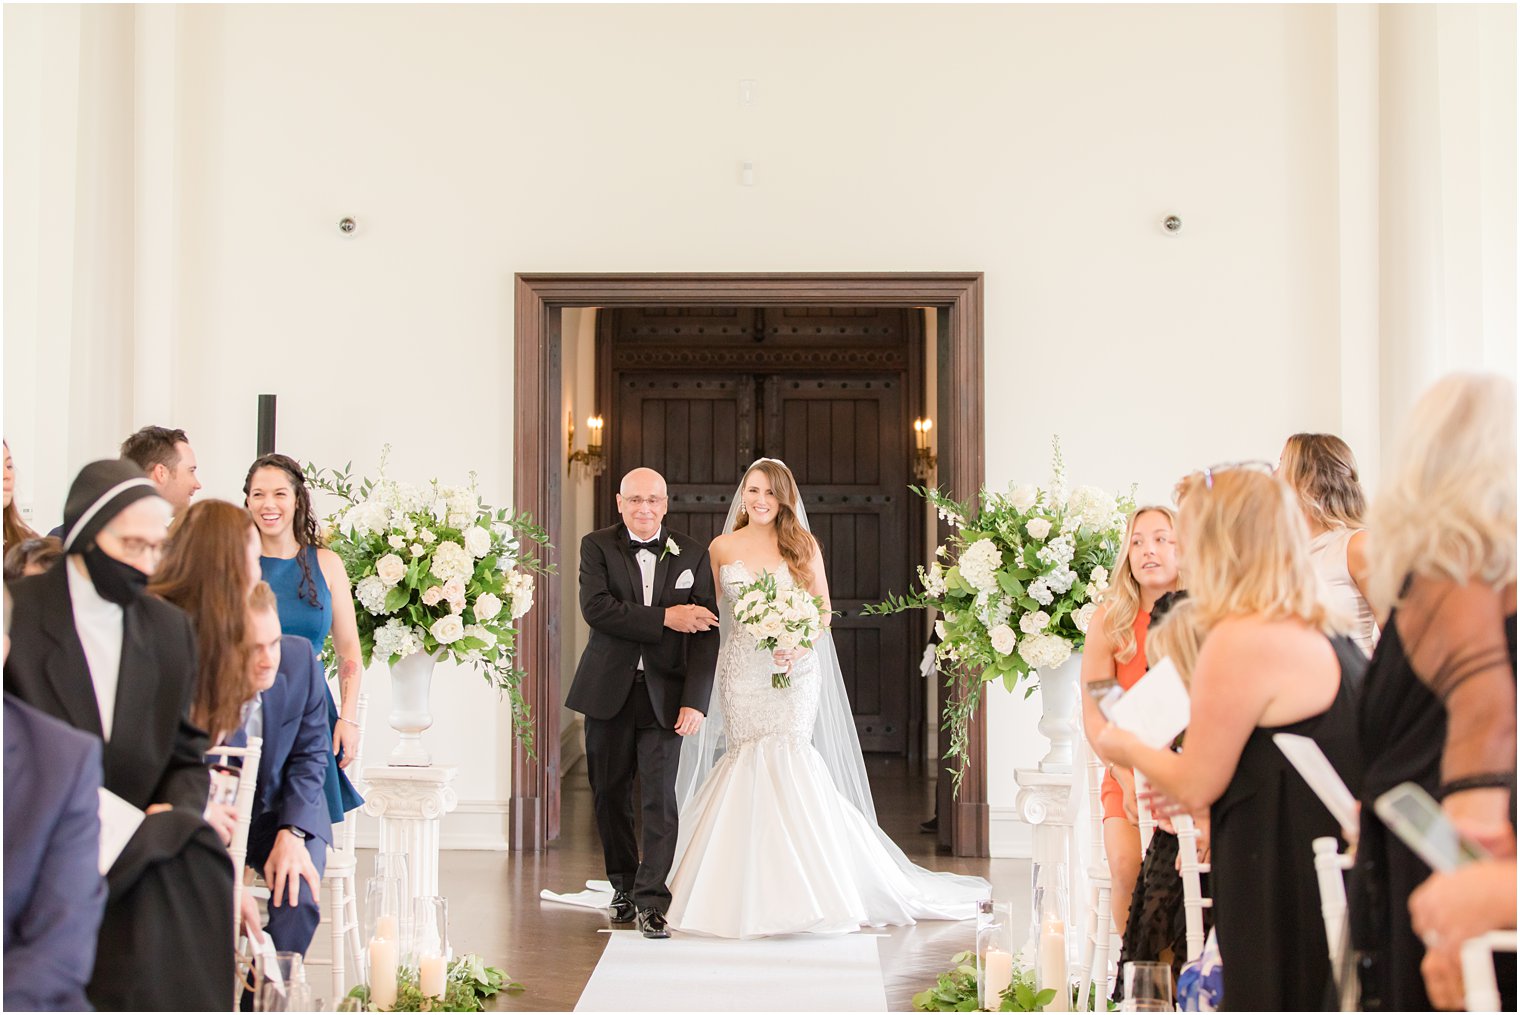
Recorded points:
(621, 910)
(652, 923)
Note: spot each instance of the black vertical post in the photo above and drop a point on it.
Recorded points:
(266, 425)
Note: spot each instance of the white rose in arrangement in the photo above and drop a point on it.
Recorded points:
(416, 550)
(1045, 651)
(427, 537)
(1034, 623)
(1003, 639)
(432, 595)
(451, 561)
(487, 607)
(371, 594)
(476, 631)
(477, 541)
(391, 569)
(447, 629)
(1039, 528)
(453, 591)
(1083, 617)
(396, 541)
(939, 629)
(1023, 497)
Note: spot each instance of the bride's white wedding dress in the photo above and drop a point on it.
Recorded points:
(768, 844)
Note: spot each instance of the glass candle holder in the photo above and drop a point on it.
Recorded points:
(394, 865)
(430, 928)
(994, 952)
(1051, 916)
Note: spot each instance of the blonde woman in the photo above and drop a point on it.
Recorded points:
(1439, 708)
(1116, 651)
(1272, 660)
(1322, 471)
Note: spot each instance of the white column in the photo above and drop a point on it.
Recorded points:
(411, 803)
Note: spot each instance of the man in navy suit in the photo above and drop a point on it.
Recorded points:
(290, 832)
(54, 894)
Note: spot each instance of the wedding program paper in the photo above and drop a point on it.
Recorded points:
(1156, 708)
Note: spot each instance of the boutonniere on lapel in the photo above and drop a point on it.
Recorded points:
(672, 549)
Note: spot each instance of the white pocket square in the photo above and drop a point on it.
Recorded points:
(685, 581)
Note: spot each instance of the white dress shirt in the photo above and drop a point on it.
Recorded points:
(100, 624)
(646, 561)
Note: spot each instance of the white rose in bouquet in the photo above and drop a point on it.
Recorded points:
(450, 560)
(771, 626)
(1003, 639)
(487, 607)
(1038, 528)
(788, 639)
(477, 541)
(371, 594)
(453, 591)
(397, 541)
(432, 595)
(447, 629)
(391, 570)
(1083, 617)
(1034, 623)
(1023, 496)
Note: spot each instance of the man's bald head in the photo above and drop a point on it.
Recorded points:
(642, 502)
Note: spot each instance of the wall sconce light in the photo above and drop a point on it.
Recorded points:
(592, 461)
(923, 458)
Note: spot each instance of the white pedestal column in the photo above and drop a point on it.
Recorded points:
(1045, 800)
(410, 803)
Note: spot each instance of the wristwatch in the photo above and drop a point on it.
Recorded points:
(299, 833)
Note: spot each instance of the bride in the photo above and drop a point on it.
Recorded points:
(778, 834)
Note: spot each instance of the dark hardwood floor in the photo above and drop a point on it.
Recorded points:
(494, 908)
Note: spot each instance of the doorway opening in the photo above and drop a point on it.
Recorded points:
(823, 371)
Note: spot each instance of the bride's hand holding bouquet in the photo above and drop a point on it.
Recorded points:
(784, 622)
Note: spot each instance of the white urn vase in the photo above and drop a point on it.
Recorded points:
(411, 681)
(1058, 712)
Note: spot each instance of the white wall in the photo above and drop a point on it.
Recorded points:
(1039, 144)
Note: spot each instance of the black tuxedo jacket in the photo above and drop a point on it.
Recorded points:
(678, 668)
(155, 754)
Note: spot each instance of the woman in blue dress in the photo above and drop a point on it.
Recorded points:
(312, 591)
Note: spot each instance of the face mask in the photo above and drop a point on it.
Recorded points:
(116, 582)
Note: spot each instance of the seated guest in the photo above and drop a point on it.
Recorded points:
(1439, 708)
(16, 530)
(32, 556)
(1322, 471)
(1272, 660)
(1116, 651)
(91, 649)
(287, 842)
(54, 894)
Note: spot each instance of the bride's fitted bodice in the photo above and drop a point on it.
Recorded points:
(752, 708)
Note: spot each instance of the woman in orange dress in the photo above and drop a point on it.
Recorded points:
(1115, 650)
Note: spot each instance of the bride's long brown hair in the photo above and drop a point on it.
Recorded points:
(797, 545)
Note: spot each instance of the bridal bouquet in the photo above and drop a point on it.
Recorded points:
(779, 619)
(1014, 584)
(434, 570)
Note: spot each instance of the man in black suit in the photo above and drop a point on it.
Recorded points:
(643, 683)
(89, 647)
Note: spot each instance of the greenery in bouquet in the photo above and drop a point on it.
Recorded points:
(1015, 585)
(468, 983)
(779, 618)
(435, 570)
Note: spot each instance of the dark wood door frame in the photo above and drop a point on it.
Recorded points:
(538, 470)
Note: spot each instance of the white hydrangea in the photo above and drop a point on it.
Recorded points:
(1045, 651)
(487, 607)
(979, 563)
(1039, 591)
(1003, 639)
(447, 629)
(1061, 580)
(450, 560)
(371, 594)
(1094, 508)
(1084, 616)
(477, 541)
(1038, 528)
(396, 638)
(1002, 609)
(1023, 497)
(366, 518)
(1034, 623)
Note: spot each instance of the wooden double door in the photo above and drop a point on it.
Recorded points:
(699, 394)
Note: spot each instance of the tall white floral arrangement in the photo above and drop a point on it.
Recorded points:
(1015, 585)
(434, 570)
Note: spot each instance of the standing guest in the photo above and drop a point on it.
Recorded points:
(1322, 471)
(167, 458)
(15, 529)
(91, 649)
(1439, 708)
(312, 588)
(32, 556)
(1272, 660)
(291, 830)
(1116, 651)
(54, 894)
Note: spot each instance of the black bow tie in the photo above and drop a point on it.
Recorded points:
(637, 545)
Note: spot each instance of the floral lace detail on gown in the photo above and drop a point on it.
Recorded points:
(769, 845)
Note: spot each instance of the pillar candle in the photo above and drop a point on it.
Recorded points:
(386, 927)
(382, 971)
(997, 970)
(1053, 963)
(431, 975)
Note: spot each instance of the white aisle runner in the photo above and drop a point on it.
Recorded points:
(799, 973)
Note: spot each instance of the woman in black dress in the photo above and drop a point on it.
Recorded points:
(1439, 708)
(1273, 660)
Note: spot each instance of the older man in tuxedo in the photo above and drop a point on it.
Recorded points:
(643, 683)
(90, 648)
